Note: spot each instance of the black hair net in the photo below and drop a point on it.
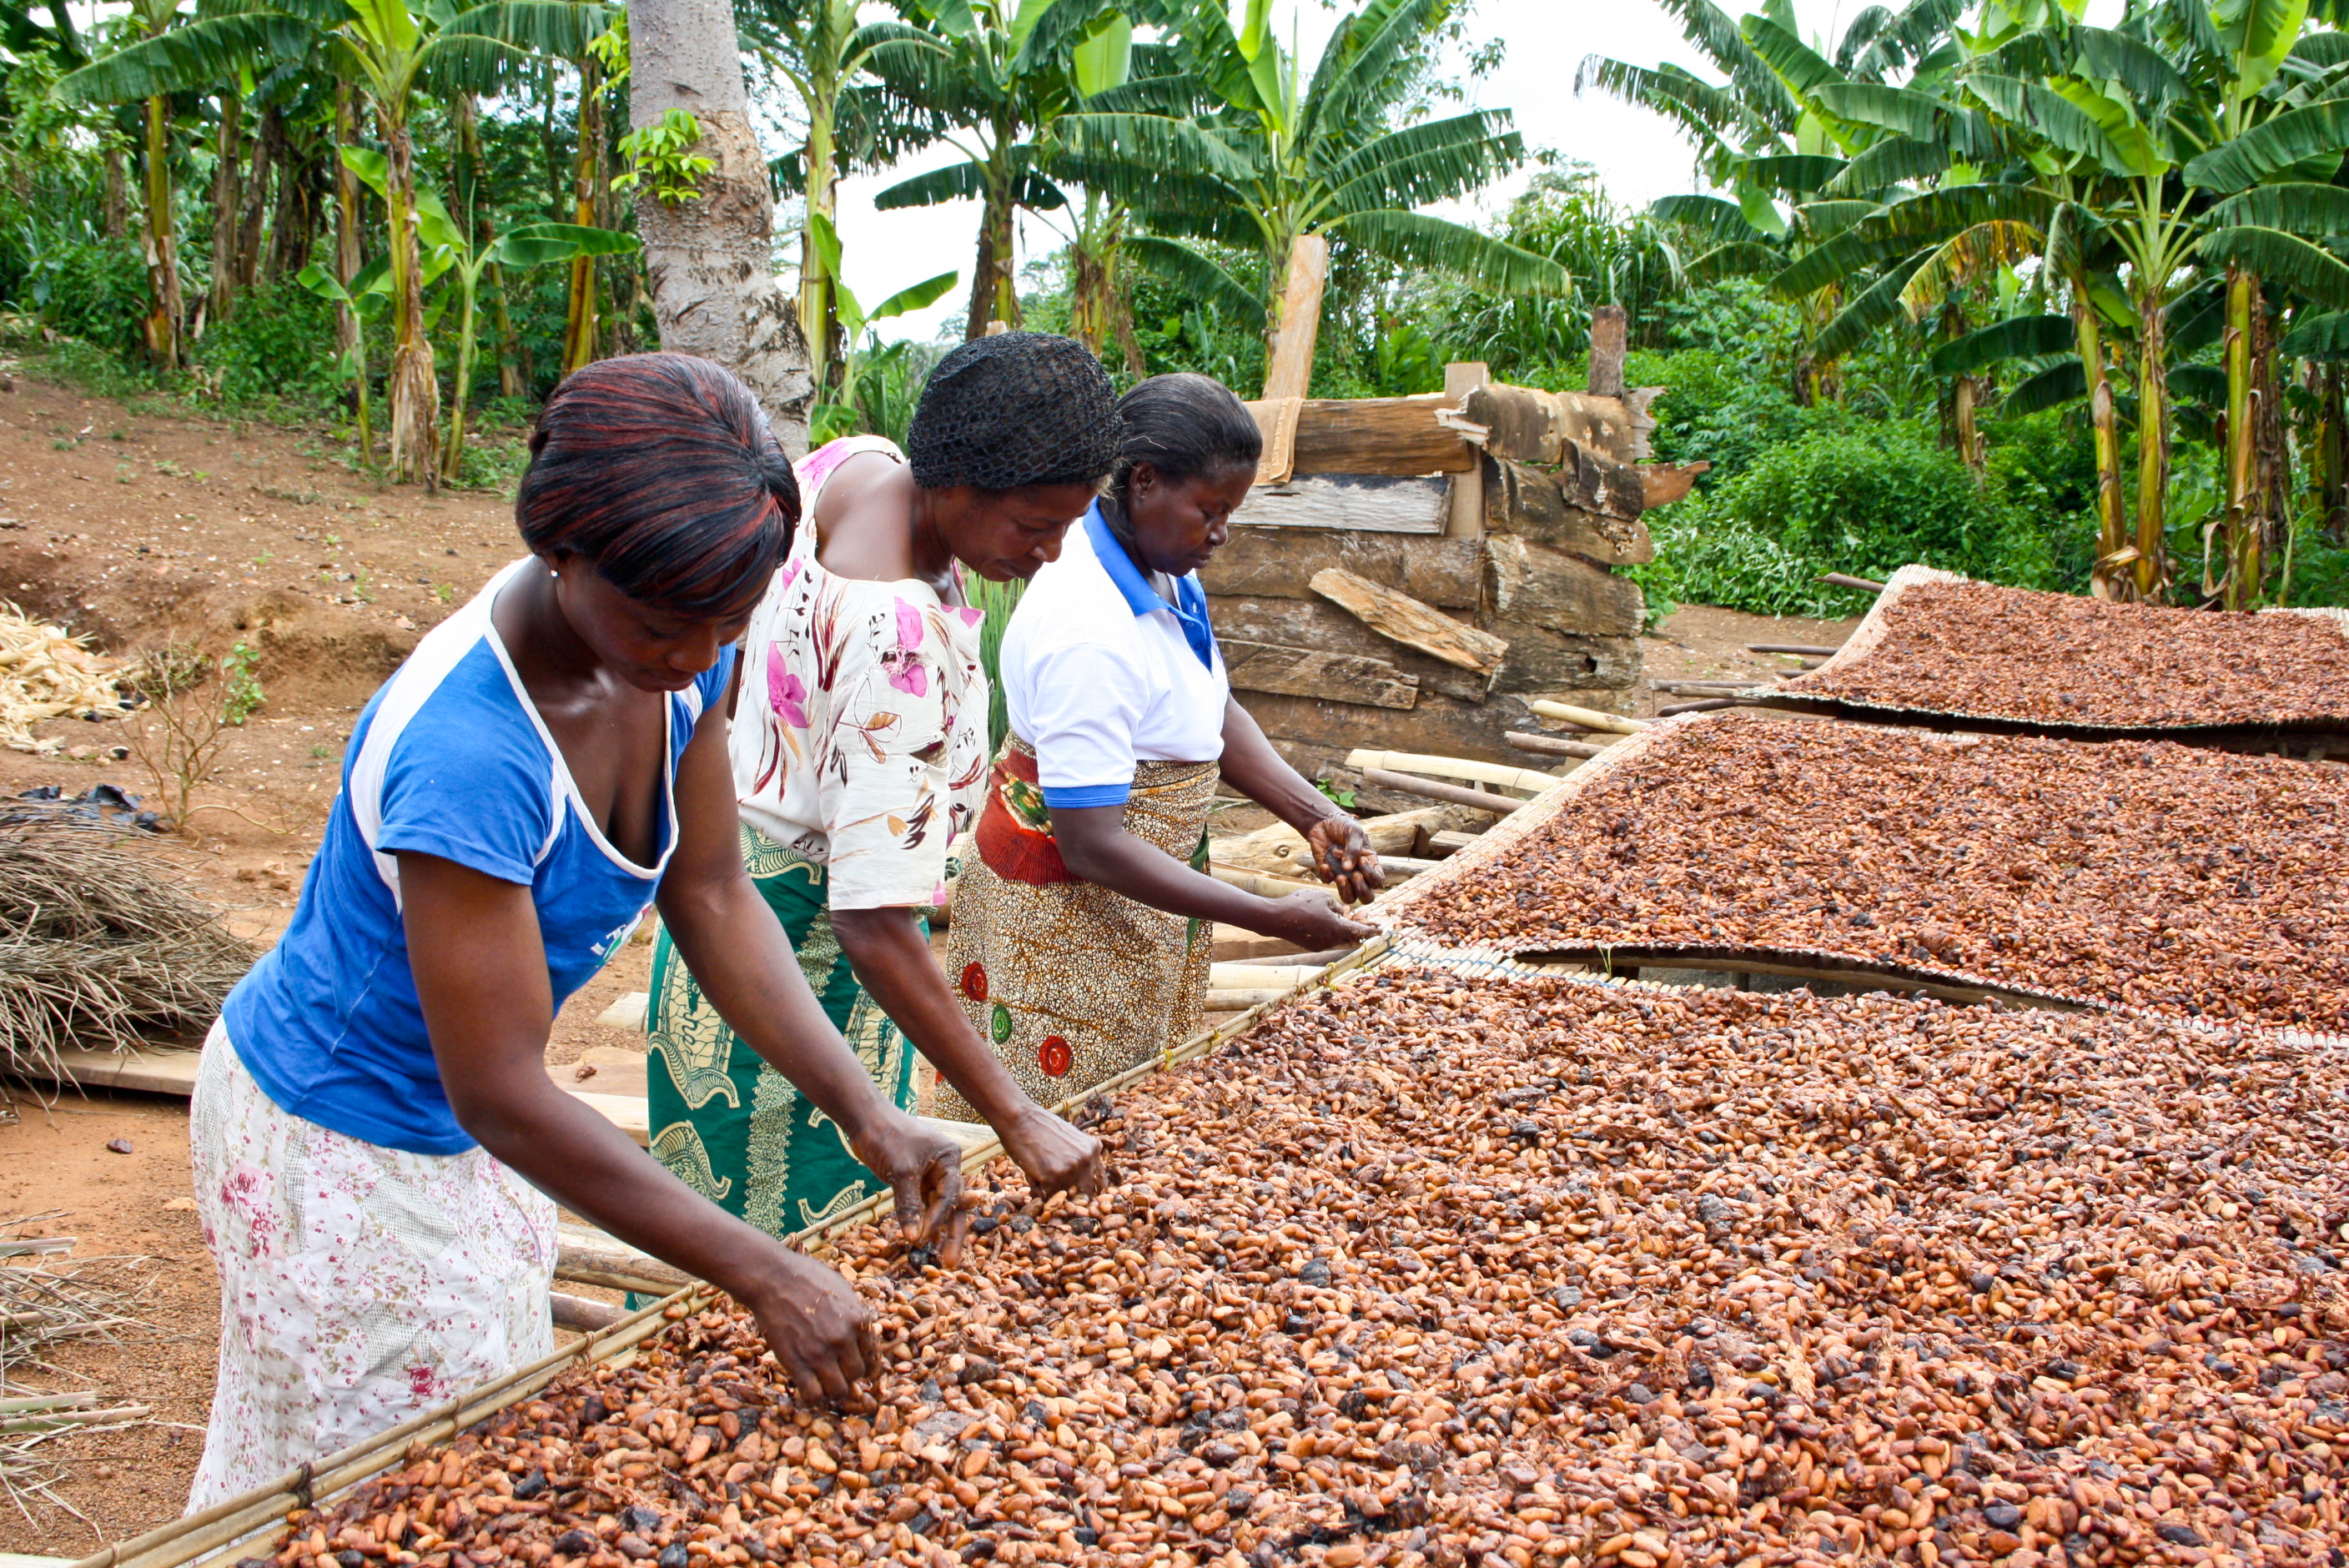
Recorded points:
(1018, 408)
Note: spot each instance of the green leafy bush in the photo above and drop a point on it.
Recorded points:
(90, 288)
(279, 345)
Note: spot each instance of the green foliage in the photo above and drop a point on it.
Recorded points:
(278, 347)
(995, 602)
(86, 287)
(662, 154)
(240, 693)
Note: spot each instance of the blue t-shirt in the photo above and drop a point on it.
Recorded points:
(450, 758)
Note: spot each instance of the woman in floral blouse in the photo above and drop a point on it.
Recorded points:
(861, 749)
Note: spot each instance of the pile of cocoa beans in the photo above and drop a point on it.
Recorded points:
(1438, 1269)
(2010, 653)
(2143, 876)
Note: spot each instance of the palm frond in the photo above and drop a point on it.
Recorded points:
(2323, 337)
(2286, 258)
(559, 28)
(1433, 160)
(1154, 141)
(2313, 136)
(2017, 337)
(1712, 30)
(193, 56)
(2102, 54)
(1876, 307)
(1708, 217)
(2295, 207)
(1966, 257)
(1896, 161)
(1824, 220)
(1710, 115)
(959, 181)
(1738, 259)
(2061, 382)
(1197, 274)
(1796, 63)
(1791, 173)
(1422, 240)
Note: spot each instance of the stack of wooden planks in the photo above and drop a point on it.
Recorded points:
(1411, 572)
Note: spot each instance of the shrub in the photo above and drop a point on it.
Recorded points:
(93, 289)
(278, 344)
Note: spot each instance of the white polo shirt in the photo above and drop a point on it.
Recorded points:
(1101, 673)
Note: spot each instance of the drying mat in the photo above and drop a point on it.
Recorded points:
(1493, 851)
(1803, 692)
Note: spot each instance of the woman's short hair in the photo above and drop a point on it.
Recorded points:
(1183, 425)
(659, 469)
(1016, 409)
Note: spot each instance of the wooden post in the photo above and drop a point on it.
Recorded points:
(1468, 489)
(1288, 369)
(1610, 338)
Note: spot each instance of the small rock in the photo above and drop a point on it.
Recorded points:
(585, 1071)
(119, 1145)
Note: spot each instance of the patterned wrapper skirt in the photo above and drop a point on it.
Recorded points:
(730, 1126)
(1074, 984)
(360, 1285)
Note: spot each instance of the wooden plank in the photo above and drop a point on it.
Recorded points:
(1280, 563)
(1531, 426)
(1379, 436)
(1468, 515)
(1543, 663)
(1291, 369)
(1559, 589)
(149, 1072)
(1374, 504)
(1317, 623)
(1275, 421)
(1411, 623)
(1664, 483)
(1611, 340)
(1301, 672)
(1532, 503)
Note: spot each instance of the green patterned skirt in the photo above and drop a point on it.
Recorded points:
(730, 1126)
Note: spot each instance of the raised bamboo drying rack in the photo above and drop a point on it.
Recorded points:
(1408, 943)
(1790, 696)
(240, 1520)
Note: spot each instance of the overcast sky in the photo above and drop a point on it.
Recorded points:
(1637, 154)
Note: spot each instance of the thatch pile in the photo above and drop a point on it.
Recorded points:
(99, 945)
(47, 673)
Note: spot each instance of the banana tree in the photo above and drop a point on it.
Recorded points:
(362, 299)
(447, 249)
(1293, 158)
(839, 415)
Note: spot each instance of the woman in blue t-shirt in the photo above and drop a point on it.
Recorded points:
(375, 1138)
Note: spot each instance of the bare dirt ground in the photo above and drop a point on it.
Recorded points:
(143, 528)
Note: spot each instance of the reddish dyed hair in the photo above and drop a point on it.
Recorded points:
(659, 469)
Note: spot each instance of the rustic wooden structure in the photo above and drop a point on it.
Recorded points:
(1412, 572)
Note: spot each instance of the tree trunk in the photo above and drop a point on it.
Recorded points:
(2148, 574)
(1094, 297)
(708, 261)
(982, 273)
(2112, 520)
(512, 372)
(268, 154)
(994, 284)
(414, 392)
(579, 318)
(165, 308)
(228, 149)
(347, 339)
(116, 223)
(2328, 449)
(293, 228)
(822, 182)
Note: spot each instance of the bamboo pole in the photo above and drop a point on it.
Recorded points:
(1587, 717)
(1553, 745)
(1842, 580)
(1499, 805)
(1805, 649)
(1501, 773)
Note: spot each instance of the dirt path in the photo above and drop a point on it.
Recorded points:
(139, 530)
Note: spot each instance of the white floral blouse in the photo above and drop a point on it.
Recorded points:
(861, 737)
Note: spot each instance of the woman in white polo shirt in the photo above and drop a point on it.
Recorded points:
(1081, 935)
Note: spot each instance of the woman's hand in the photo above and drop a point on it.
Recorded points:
(925, 1168)
(1055, 1156)
(1342, 857)
(815, 1323)
(1312, 920)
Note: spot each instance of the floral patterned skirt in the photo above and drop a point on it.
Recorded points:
(1073, 983)
(724, 1122)
(360, 1285)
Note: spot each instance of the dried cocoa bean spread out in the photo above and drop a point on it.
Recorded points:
(2143, 873)
(2010, 653)
(1437, 1271)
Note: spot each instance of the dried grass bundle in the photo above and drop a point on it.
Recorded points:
(45, 1301)
(47, 673)
(98, 943)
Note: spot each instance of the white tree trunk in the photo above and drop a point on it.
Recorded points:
(710, 260)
